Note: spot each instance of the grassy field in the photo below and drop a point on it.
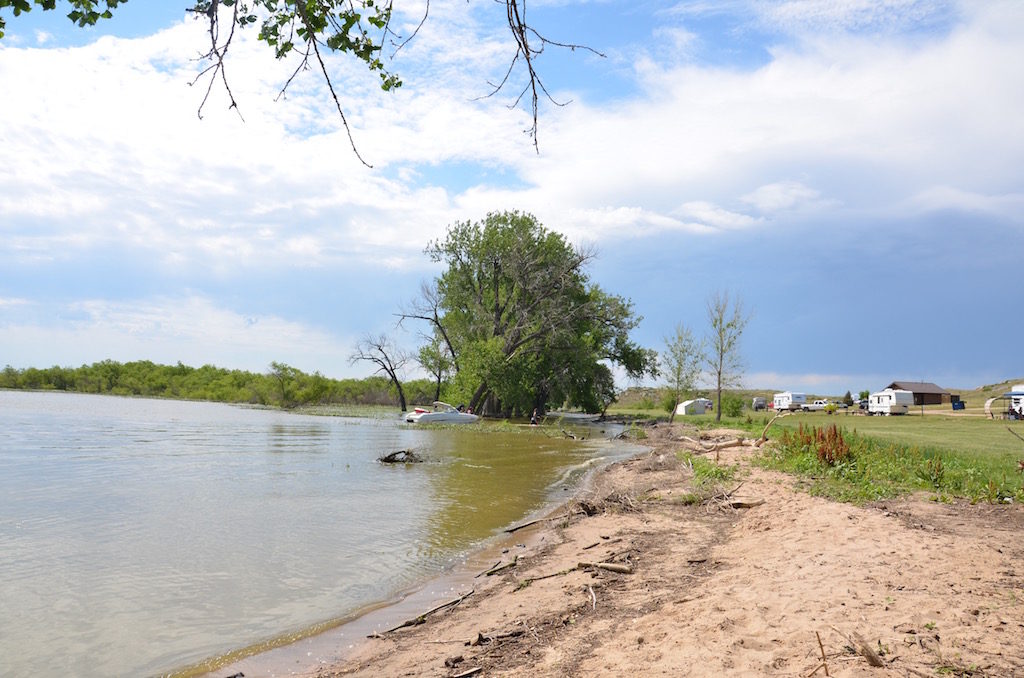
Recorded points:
(880, 457)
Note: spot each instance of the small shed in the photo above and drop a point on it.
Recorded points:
(925, 393)
(691, 407)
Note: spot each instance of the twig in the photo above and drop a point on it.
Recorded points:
(824, 661)
(516, 528)
(858, 642)
(488, 570)
(593, 598)
(500, 568)
(471, 672)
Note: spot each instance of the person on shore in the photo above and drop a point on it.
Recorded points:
(533, 417)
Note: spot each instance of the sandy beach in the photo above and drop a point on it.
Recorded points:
(629, 579)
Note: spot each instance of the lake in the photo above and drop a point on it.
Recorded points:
(140, 536)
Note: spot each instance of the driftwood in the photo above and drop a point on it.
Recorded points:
(416, 621)
(740, 503)
(516, 528)
(611, 567)
(400, 457)
(482, 639)
(470, 672)
(764, 434)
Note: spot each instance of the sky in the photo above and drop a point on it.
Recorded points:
(850, 169)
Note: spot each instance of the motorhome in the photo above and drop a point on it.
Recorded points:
(788, 400)
(890, 401)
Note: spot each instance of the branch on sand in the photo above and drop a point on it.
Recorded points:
(416, 621)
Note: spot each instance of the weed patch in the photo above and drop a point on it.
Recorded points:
(856, 468)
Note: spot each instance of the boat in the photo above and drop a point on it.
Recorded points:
(442, 413)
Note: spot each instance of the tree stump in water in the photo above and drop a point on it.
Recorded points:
(400, 457)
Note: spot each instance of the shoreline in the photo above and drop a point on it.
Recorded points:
(304, 652)
(740, 585)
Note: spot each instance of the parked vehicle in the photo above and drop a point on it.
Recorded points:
(816, 406)
(890, 401)
(757, 404)
(789, 400)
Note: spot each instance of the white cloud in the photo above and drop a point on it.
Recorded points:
(782, 195)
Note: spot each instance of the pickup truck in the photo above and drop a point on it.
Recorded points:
(816, 406)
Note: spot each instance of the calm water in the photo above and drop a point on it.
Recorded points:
(138, 536)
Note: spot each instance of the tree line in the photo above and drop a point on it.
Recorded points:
(280, 386)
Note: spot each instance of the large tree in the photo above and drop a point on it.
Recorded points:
(723, 360)
(361, 29)
(524, 324)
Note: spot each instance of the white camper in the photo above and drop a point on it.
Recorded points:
(1017, 399)
(789, 400)
(691, 407)
(890, 401)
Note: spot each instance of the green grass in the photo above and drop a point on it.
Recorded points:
(975, 436)
(890, 456)
(708, 478)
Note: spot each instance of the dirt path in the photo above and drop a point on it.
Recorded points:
(932, 589)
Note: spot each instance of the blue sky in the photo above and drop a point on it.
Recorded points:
(851, 169)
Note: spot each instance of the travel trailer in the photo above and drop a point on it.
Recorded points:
(788, 400)
(890, 401)
(1017, 400)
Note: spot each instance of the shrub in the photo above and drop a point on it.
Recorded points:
(732, 405)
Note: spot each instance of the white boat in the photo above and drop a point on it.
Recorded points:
(442, 413)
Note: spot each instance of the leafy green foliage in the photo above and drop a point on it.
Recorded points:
(83, 12)
(524, 325)
(732, 405)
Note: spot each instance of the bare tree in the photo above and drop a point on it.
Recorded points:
(728, 320)
(681, 363)
(390, 360)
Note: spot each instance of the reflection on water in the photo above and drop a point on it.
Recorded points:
(137, 536)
